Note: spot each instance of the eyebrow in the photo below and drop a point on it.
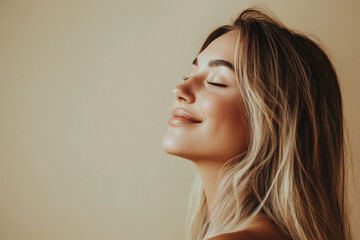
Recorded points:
(216, 63)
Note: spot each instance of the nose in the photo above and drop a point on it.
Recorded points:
(184, 92)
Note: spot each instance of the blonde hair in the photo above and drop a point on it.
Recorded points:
(293, 169)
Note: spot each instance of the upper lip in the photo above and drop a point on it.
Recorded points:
(180, 112)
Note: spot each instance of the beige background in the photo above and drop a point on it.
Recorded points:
(85, 95)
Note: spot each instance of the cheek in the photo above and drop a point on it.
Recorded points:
(223, 113)
(225, 126)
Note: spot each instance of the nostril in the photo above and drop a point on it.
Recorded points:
(182, 98)
(183, 93)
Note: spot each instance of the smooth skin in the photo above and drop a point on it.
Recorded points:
(222, 134)
(260, 228)
(211, 95)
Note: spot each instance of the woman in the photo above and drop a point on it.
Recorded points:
(260, 115)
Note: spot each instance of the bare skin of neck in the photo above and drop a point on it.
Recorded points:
(209, 174)
(260, 227)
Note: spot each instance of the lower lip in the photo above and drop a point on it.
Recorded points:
(178, 121)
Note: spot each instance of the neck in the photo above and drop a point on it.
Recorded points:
(209, 173)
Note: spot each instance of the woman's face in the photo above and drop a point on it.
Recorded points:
(210, 97)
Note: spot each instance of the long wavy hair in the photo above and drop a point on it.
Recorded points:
(293, 169)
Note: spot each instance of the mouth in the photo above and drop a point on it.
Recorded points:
(181, 117)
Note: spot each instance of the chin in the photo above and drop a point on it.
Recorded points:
(174, 149)
(169, 146)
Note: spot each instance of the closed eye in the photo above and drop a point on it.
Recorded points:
(217, 84)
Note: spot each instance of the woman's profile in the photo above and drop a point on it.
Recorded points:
(260, 115)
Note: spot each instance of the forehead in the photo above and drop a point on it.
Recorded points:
(222, 47)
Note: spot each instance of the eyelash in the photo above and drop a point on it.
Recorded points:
(215, 84)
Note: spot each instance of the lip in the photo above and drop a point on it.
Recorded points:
(180, 117)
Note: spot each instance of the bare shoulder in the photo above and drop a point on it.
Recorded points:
(242, 235)
(261, 229)
(249, 235)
